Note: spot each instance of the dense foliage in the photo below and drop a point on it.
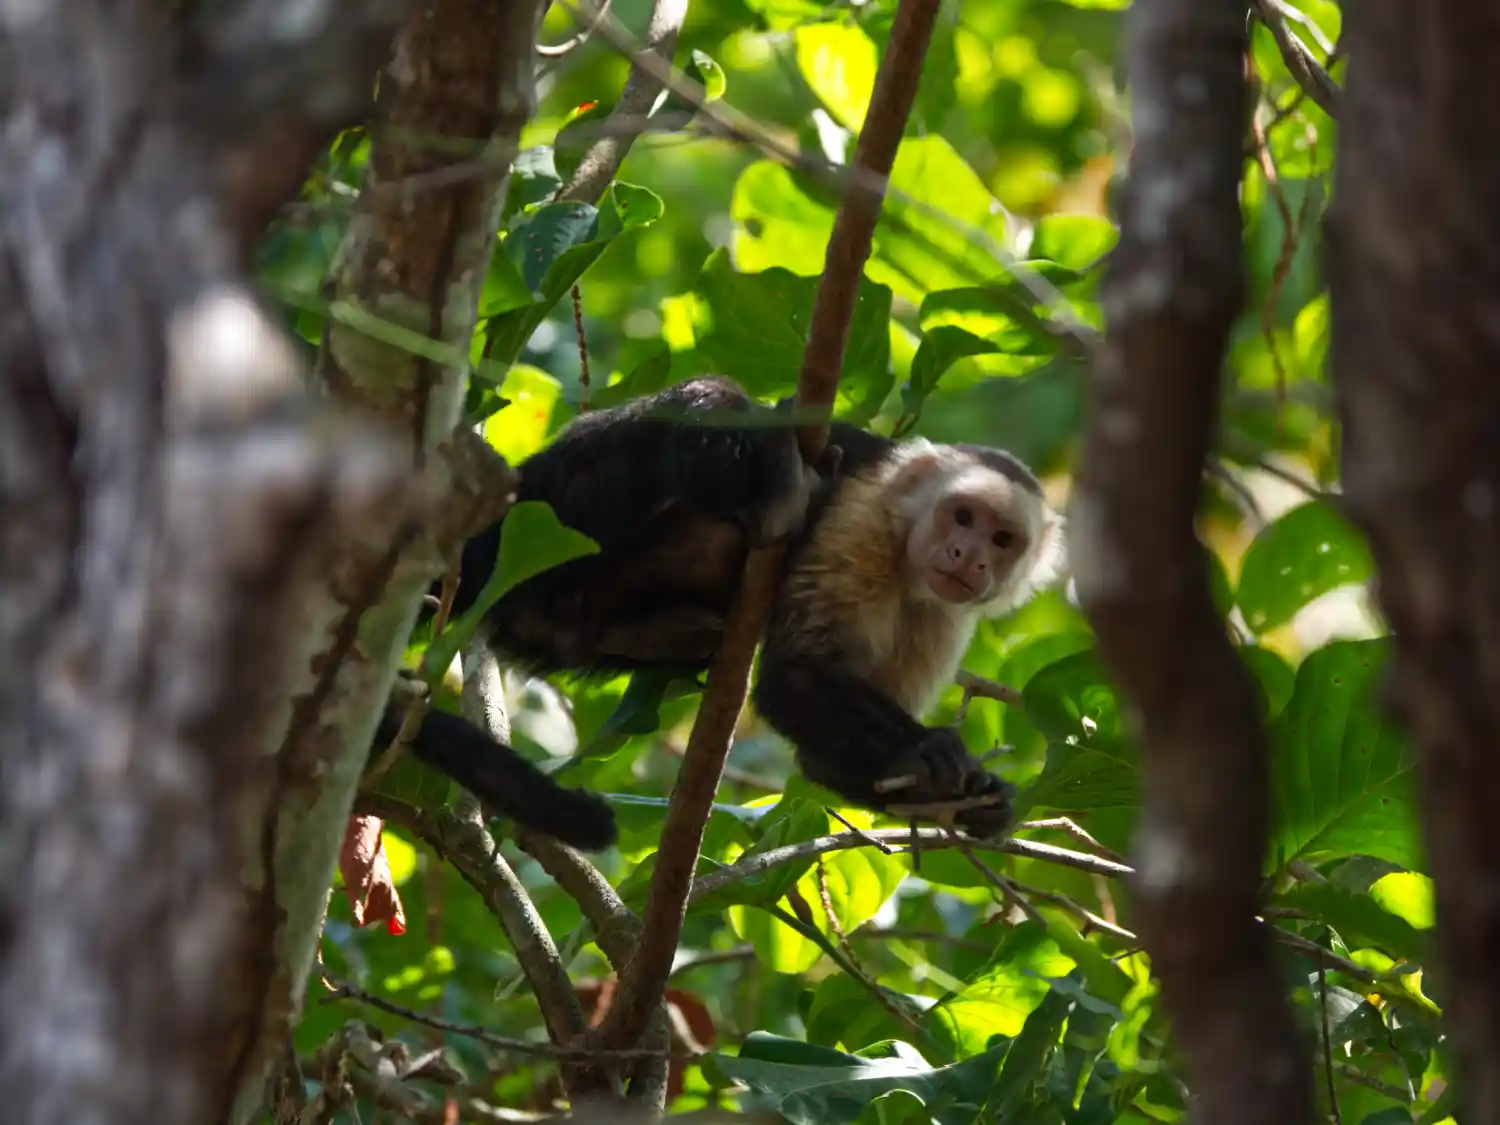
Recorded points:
(863, 986)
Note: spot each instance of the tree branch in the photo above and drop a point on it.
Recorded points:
(1171, 293)
(1310, 75)
(642, 985)
(604, 157)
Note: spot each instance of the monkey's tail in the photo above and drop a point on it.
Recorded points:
(506, 782)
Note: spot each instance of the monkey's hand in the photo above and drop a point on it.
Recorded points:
(939, 770)
(791, 486)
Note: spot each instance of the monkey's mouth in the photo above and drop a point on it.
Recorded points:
(950, 587)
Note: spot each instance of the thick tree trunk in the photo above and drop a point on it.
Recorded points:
(166, 497)
(1413, 242)
(1174, 289)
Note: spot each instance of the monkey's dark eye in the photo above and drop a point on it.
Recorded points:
(963, 517)
(1003, 539)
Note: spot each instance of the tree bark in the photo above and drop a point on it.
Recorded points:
(1412, 241)
(167, 495)
(1172, 292)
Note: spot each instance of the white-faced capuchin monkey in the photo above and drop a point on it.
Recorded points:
(898, 556)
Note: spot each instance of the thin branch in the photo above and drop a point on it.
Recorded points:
(468, 845)
(1333, 1094)
(924, 839)
(728, 679)
(642, 88)
(1075, 337)
(585, 33)
(343, 990)
(1308, 72)
(1072, 828)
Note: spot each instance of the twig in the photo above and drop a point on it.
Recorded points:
(585, 32)
(617, 931)
(1333, 1096)
(986, 689)
(1072, 828)
(728, 679)
(1008, 889)
(1090, 920)
(344, 990)
(878, 845)
(464, 841)
(1307, 71)
(642, 88)
(865, 980)
(925, 839)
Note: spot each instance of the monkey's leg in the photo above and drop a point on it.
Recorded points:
(504, 781)
(851, 737)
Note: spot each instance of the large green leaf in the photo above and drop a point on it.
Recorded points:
(1342, 775)
(940, 228)
(753, 327)
(838, 61)
(1301, 556)
(999, 1000)
(1359, 919)
(550, 249)
(812, 1085)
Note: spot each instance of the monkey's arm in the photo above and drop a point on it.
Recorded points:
(504, 782)
(850, 736)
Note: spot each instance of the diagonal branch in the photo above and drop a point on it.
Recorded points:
(1314, 81)
(1173, 290)
(630, 117)
(642, 984)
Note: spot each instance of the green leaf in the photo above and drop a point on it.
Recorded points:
(753, 327)
(791, 821)
(639, 709)
(994, 313)
(702, 68)
(838, 62)
(554, 246)
(1075, 241)
(1342, 775)
(1301, 556)
(1273, 675)
(1407, 895)
(940, 227)
(532, 540)
(941, 347)
(1022, 1070)
(811, 1085)
(1000, 999)
(1358, 919)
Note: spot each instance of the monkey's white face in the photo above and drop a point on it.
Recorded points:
(965, 547)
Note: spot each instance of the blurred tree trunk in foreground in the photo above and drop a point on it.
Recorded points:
(1414, 278)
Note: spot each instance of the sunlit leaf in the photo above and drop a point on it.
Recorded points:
(1076, 241)
(838, 62)
(1407, 895)
(1000, 999)
(1301, 556)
